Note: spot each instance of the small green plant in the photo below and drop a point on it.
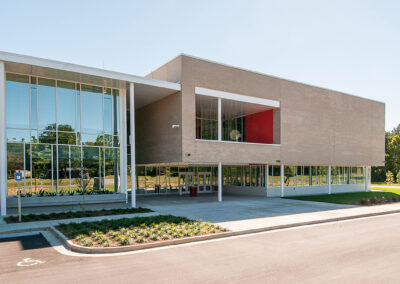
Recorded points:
(389, 177)
(398, 177)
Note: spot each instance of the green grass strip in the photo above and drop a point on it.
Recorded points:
(76, 214)
(346, 198)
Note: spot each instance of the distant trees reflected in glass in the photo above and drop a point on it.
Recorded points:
(63, 136)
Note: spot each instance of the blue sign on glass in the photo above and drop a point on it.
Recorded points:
(18, 176)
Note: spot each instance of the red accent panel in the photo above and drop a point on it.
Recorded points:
(260, 127)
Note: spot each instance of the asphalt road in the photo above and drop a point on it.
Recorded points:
(364, 250)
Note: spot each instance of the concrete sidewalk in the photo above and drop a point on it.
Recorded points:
(244, 225)
(277, 222)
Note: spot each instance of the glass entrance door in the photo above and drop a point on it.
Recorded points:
(205, 182)
(186, 180)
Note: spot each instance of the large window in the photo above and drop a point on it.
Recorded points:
(240, 121)
(206, 118)
(62, 135)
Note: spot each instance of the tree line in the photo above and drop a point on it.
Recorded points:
(389, 173)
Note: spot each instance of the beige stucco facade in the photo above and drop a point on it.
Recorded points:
(316, 126)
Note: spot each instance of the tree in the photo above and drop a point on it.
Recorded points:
(398, 177)
(389, 177)
(393, 154)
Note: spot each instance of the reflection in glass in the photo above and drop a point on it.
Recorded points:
(76, 166)
(66, 106)
(63, 169)
(92, 109)
(15, 163)
(41, 168)
(47, 103)
(111, 169)
(17, 135)
(48, 137)
(206, 118)
(90, 169)
(17, 91)
(92, 139)
(66, 138)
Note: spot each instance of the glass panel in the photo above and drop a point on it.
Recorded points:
(63, 169)
(66, 106)
(34, 120)
(290, 175)
(150, 179)
(92, 139)
(92, 109)
(306, 177)
(111, 141)
(90, 170)
(48, 137)
(140, 178)
(111, 169)
(17, 135)
(17, 92)
(47, 104)
(111, 123)
(274, 176)
(247, 175)
(108, 112)
(15, 163)
(206, 118)
(41, 169)
(323, 173)
(66, 138)
(76, 173)
(115, 111)
(173, 179)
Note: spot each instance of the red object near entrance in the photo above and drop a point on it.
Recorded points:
(193, 191)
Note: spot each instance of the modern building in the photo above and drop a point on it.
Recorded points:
(71, 129)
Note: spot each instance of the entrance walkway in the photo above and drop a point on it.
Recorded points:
(232, 208)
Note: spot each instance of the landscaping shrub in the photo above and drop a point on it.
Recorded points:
(77, 214)
(136, 230)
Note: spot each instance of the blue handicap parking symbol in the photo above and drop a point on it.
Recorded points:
(18, 176)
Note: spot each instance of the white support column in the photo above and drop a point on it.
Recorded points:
(329, 179)
(219, 182)
(282, 180)
(123, 144)
(3, 142)
(132, 143)
(266, 176)
(219, 119)
(367, 178)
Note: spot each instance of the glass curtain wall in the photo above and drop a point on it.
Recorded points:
(347, 175)
(63, 136)
(159, 179)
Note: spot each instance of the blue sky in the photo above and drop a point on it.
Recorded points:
(349, 46)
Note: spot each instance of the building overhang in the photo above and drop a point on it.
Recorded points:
(147, 90)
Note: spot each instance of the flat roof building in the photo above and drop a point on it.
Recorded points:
(192, 123)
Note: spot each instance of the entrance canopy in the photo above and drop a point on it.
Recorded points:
(147, 90)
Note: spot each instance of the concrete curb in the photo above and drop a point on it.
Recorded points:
(102, 250)
(97, 250)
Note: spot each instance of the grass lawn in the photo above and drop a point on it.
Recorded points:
(78, 214)
(357, 198)
(385, 189)
(138, 230)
